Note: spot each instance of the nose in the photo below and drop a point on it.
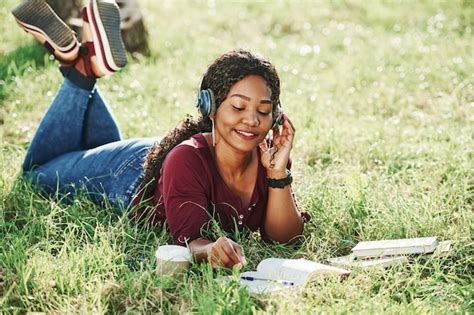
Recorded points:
(251, 119)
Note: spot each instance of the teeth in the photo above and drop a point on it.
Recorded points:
(248, 134)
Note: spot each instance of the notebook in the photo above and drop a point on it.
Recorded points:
(406, 246)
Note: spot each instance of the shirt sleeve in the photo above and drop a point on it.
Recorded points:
(185, 194)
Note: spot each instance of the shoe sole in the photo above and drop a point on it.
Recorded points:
(104, 21)
(37, 17)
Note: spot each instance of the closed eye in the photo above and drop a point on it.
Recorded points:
(239, 109)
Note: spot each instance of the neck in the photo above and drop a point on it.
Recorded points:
(230, 161)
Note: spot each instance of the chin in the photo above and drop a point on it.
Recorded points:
(246, 144)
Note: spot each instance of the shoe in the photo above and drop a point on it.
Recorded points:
(37, 17)
(103, 17)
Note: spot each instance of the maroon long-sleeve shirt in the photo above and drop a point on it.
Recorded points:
(191, 192)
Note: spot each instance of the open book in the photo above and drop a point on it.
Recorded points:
(275, 274)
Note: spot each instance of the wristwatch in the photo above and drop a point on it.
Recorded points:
(280, 183)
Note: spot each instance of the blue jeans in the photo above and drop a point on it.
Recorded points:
(78, 148)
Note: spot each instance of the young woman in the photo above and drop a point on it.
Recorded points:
(220, 168)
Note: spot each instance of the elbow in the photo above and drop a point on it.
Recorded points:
(284, 232)
(286, 238)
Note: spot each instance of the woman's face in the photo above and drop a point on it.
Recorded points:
(244, 118)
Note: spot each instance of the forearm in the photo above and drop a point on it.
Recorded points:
(283, 221)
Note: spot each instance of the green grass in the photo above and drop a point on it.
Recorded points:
(382, 97)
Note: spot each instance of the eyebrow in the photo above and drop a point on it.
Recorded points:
(249, 99)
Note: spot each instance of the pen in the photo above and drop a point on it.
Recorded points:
(284, 282)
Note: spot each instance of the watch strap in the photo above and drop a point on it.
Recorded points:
(280, 183)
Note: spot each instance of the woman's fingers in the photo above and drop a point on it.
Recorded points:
(293, 129)
(231, 255)
(263, 145)
(226, 253)
(219, 258)
(276, 131)
(213, 260)
(239, 250)
(288, 132)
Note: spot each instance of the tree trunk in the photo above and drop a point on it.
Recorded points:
(66, 9)
(134, 33)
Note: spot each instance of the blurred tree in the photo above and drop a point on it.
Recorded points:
(134, 33)
(66, 9)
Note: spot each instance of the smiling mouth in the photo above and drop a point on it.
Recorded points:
(246, 134)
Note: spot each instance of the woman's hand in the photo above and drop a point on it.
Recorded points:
(226, 253)
(275, 158)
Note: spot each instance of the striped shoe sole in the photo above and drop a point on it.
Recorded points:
(104, 21)
(36, 16)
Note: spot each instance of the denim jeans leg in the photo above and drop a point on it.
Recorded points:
(107, 174)
(61, 128)
(99, 126)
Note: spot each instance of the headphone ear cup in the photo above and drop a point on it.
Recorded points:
(206, 103)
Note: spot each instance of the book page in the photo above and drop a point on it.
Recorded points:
(274, 274)
(285, 269)
(297, 270)
(261, 286)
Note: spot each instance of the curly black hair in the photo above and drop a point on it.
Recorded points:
(224, 72)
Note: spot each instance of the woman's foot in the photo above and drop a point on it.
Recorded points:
(37, 18)
(102, 51)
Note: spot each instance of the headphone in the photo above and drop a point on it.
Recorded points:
(206, 104)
